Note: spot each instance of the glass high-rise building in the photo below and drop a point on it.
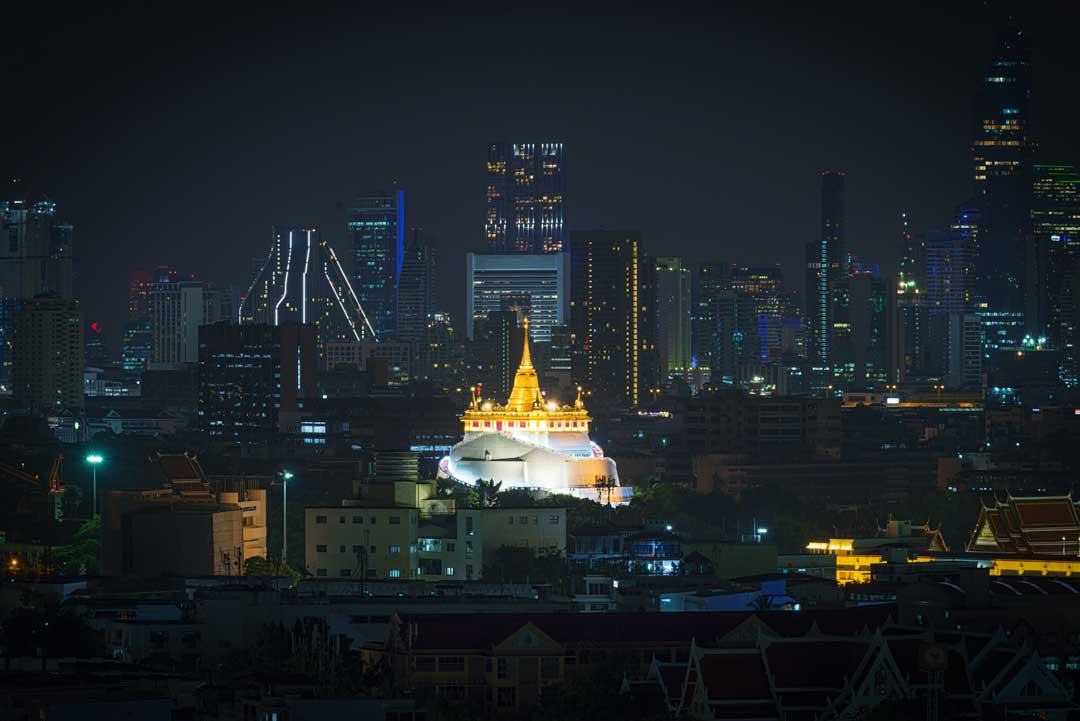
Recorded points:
(526, 191)
(417, 298)
(673, 311)
(375, 233)
(534, 284)
(1001, 152)
(826, 263)
(611, 318)
(1054, 256)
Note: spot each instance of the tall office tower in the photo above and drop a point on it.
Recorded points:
(526, 192)
(708, 280)
(301, 280)
(97, 352)
(826, 263)
(895, 329)
(35, 258)
(912, 316)
(673, 311)
(649, 378)
(965, 351)
(735, 333)
(375, 231)
(177, 310)
(606, 314)
(445, 355)
(1054, 255)
(416, 297)
(49, 355)
(1001, 152)
(251, 377)
(137, 338)
(534, 282)
(492, 355)
(765, 287)
(868, 326)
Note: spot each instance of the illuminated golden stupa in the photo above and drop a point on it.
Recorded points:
(532, 443)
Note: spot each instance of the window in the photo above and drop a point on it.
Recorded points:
(554, 520)
(523, 520)
(341, 519)
(453, 664)
(451, 547)
(468, 525)
(468, 572)
(425, 663)
(511, 520)
(395, 520)
(320, 519)
(357, 548)
(468, 549)
(341, 548)
(321, 548)
(358, 520)
(412, 549)
(502, 669)
(395, 573)
(549, 667)
(320, 571)
(536, 520)
(395, 549)
(449, 570)
(345, 572)
(372, 549)
(373, 520)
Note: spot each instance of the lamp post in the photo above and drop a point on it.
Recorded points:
(286, 476)
(95, 459)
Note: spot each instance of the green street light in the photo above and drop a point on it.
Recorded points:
(95, 459)
(286, 476)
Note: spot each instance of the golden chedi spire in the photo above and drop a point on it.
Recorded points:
(526, 394)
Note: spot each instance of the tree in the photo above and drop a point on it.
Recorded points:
(259, 566)
(489, 492)
(80, 557)
(517, 564)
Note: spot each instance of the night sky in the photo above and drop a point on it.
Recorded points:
(180, 138)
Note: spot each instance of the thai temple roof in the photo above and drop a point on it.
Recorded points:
(1027, 525)
(526, 399)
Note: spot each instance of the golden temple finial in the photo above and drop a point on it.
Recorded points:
(579, 403)
(526, 393)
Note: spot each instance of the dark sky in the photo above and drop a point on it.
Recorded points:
(180, 138)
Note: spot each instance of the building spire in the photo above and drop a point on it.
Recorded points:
(526, 394)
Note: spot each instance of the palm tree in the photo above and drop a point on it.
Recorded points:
(489, 492)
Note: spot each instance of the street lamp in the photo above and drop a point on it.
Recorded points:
(95, 459)
(286, 476)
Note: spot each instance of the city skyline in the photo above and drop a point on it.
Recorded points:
(929, 129)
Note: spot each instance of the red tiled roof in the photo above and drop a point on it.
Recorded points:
(733, 675)
(820, 664)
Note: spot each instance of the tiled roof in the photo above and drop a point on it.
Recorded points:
(735, 674)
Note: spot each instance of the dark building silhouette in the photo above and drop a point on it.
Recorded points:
(250, 375)
(1001, 152)
(826, 262)
(417, 298)
(49, 355)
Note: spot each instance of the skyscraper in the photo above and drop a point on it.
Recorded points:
(534, 283)
(36, 258)
(177, 310)
(491, 355)
(826, 262)
(606, 314)
(1001, 152)
(526, 192)
(138, 339)
(1054, 255)
(301, 280)
(673, 311)
(416, 297)
(49, 355)
(375, 231)
(250, 375)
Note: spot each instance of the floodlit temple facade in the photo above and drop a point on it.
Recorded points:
(532, 443)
